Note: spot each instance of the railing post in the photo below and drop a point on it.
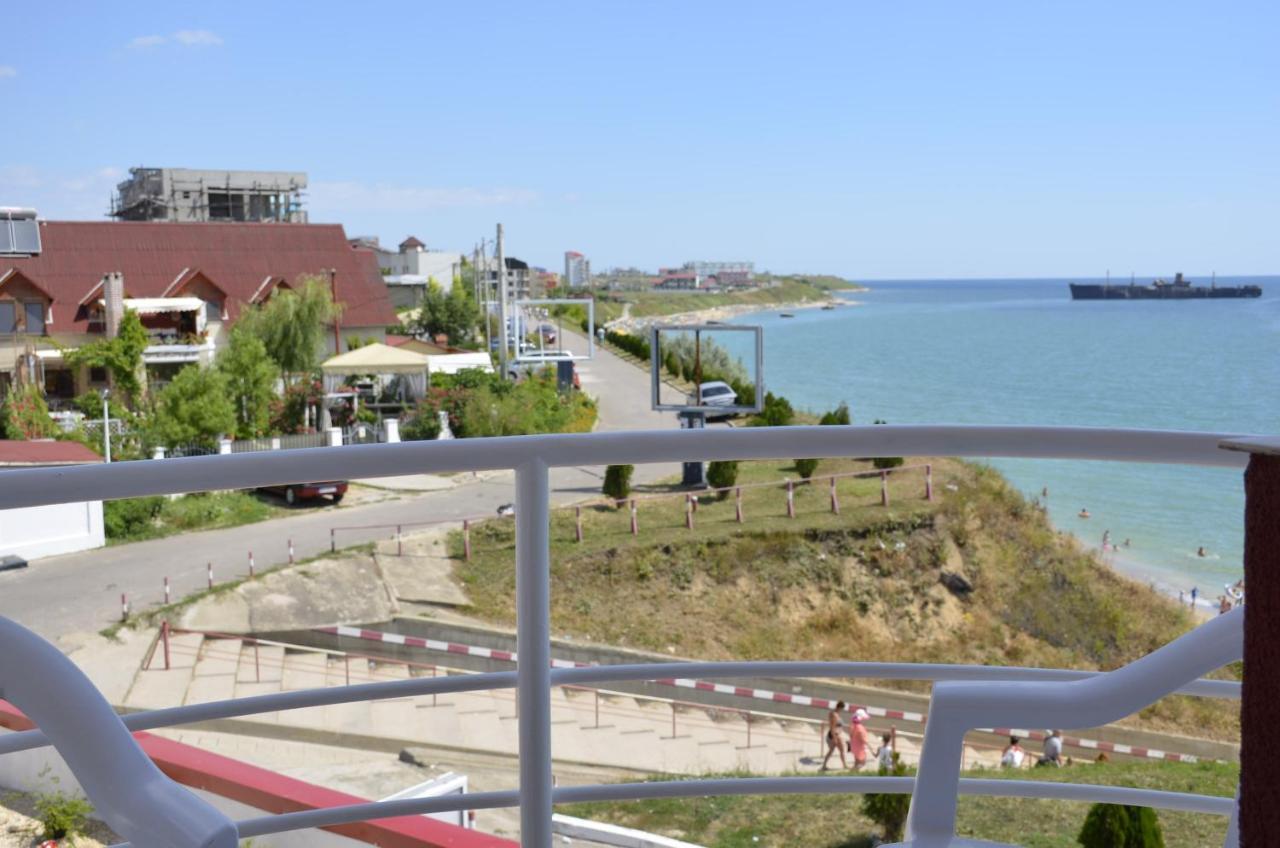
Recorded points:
(1259, 735)
(164, 640)
(737, 497)
(928, 482)
(635, 522)
(533, 644)
(688, 512)
(577, 520)
(884, 488)
(791, 499)
(835, 499)
(466, 539)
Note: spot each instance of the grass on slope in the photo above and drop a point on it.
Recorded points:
(136, 519)
(863, 585)
(836, 821)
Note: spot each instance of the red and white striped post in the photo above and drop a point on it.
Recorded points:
(209, 572)
(124, 607)
(291, 552)
(835, 499)
(737, 497)
(166, 591)
(884, 488)
(928, 482)
(251, 565)
(791, 499)
(164, 641)
(577, 523)
(466, 539)
(635, 521)
(688, 512)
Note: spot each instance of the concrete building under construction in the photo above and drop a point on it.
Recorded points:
(186, 195)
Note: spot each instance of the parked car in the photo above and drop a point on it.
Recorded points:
(716, 393)
(294, 492)
(548, 332)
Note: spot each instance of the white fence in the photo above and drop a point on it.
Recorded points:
(140, 805)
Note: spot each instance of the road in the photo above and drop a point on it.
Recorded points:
(81, 591)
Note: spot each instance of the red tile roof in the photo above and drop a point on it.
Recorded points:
(235, 257)
(45, 453)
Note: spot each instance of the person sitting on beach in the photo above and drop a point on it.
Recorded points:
(1052, 750)
(1084, 513)
(1012, 755)
(835, 736)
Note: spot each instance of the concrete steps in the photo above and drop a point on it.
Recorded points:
(606, 729)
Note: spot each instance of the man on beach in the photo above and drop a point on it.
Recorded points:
(835, 736)
(1052, 749)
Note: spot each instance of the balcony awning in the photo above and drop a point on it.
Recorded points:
(161, 305)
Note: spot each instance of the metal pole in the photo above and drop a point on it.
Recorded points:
(791, 499)
(124, 607)
(502, 305)
(835, 500)
(164, 639)
(635, 524)
(533, 645)
(333, 543)
(257, 669)
(399, 542)
(166, 591)
(884, 488)
(337, 324)
(291, 552)
(209, 570)
(346, 667)
(737, 494)
(577, 517)
(250, 565)
(106, 426)
(928, 482)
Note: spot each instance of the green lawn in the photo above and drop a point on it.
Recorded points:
(836, 821)
(136, 519)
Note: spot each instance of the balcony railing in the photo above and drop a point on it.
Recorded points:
(145, 807)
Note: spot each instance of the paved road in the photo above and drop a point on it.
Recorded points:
(81, 591)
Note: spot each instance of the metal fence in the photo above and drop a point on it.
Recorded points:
(287, 442)
(141, 804)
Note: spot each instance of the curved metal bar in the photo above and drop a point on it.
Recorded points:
(956, 708)
(133, 796)
(1185, 802)
(35, 487)
(327, 696)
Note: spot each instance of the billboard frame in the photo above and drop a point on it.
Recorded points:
(655, 369)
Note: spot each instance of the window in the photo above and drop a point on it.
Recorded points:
(8, 316)
(97, 374)
(212, 310)
(35, 318)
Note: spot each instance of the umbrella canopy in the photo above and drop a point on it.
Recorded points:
(377, 358)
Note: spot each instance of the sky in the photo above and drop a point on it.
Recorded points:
(868, 139)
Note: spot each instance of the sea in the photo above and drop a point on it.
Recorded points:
(1022, 352)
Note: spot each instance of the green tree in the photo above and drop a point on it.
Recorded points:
(617, 481)
(721, 474)
(251, 376)
(121, 356)
(193, 409)
(292, 326)
(777, 412)
(806, 467)
(1119, 826)
(453, 313)
(839, 415)
(24, 414)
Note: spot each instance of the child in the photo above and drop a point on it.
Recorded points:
(884, 754)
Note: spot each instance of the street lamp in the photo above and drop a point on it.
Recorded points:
(106, 425)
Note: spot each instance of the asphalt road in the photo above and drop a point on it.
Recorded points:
(81, 591)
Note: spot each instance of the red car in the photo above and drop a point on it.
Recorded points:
(294, 492)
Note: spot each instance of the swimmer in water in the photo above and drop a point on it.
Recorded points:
(1201, 552)
(1084, 513)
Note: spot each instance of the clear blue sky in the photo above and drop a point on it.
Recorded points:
(872, 139)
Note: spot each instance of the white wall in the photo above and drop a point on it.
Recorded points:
(40, 531)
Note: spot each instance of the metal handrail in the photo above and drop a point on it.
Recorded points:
(531, 457)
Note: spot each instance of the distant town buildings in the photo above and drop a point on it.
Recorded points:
(577, 270)
(519, 280)
(716, 269)
(187, 195)
(408, 269)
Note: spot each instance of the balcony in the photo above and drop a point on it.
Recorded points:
(148, 808)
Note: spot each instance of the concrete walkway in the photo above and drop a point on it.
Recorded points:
(82, 591)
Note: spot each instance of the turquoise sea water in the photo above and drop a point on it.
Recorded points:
(1022, 352)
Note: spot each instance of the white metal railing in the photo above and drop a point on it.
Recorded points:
(531, 458)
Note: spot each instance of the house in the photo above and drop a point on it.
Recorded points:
(679, 279)
(410, 268)
(188, 282)
(39, 531)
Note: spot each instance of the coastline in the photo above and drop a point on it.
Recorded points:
(631, 324)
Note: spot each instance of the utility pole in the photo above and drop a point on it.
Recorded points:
(106, 425)
(337, 327)
(502, 305)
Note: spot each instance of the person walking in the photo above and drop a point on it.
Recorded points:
(858, 740)
(835, 736)
(884, 754)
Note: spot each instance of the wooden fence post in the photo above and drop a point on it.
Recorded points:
(884, 488)
(835, 499)
(928, 482)
(688, 512)
(737, 493)
(466, 539)
(635, 524)
(791, 499)
(577, 518)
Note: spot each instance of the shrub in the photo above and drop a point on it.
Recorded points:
(883, 462)
(1118, 826)
(62, 816)
(777, 412)
(806, 467)
(24, 415)
(889, 811)
(839, 415)
(617, 481)
(131, 518)
(722, 475)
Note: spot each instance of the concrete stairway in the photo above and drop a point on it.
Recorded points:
(607, 729)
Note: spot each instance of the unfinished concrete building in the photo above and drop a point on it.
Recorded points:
(185, 195)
